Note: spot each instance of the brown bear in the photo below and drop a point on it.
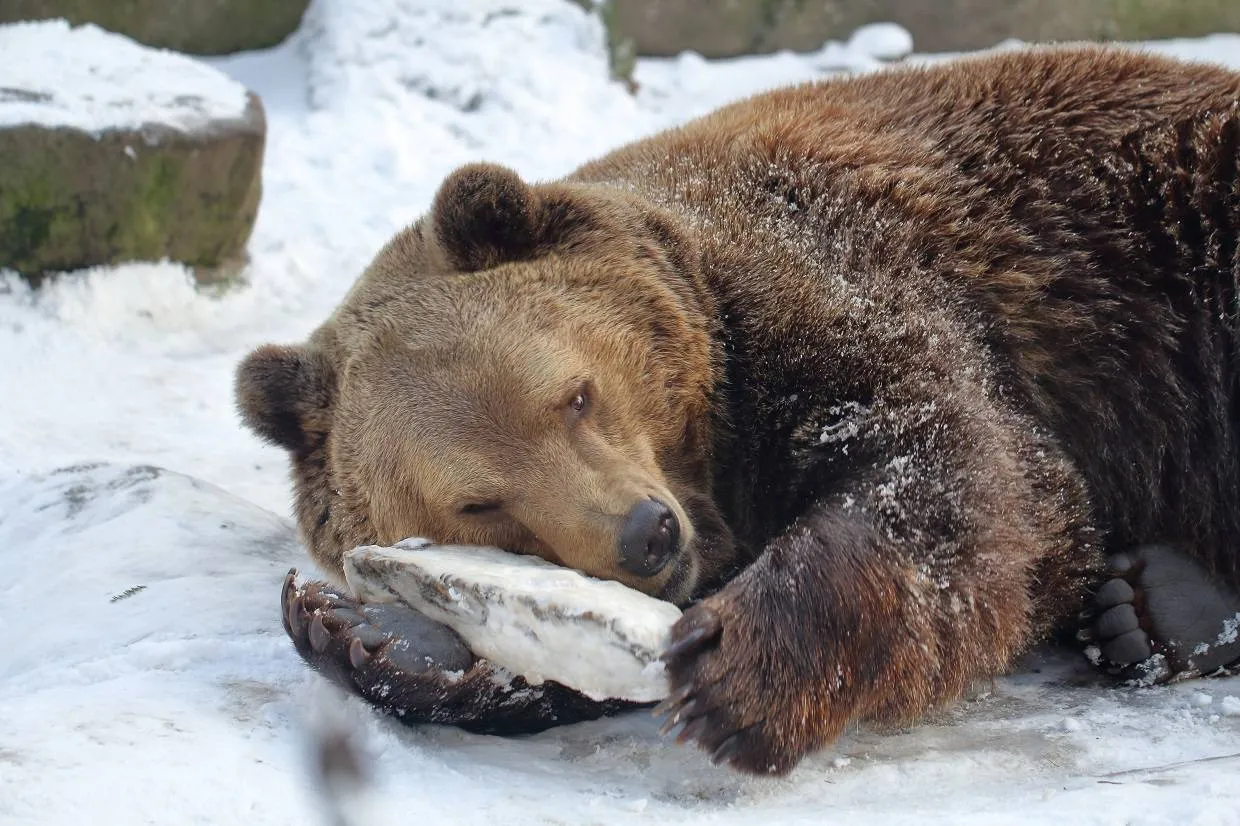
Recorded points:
(884, 379)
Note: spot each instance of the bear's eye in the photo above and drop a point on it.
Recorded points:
(480, 508)
(579, 401)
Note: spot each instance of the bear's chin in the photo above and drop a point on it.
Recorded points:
(681, 587)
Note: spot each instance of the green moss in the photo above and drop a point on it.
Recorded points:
(621, 51)
(30, 217)
(771, 16)
(27, 230)
(144, 227)
(1149, 19)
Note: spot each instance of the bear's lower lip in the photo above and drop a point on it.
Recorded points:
(679, 587)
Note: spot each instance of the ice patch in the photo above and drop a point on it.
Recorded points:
(538, 620)
(86, 78)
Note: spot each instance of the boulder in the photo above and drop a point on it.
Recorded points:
(192, 26)
(115, 152)
(732, 27)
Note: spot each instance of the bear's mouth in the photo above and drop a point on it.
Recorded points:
(681, 585)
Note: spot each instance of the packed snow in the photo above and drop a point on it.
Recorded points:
(83, 77)
(146, 676)
(537, 620)
(881, 41)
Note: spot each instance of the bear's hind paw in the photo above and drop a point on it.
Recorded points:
(1162, 616)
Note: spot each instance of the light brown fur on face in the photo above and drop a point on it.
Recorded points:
(460, 427)
(473, 439)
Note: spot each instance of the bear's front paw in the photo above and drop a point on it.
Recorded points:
(374, 650)
(720, 690)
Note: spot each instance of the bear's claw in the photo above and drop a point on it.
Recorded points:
(714, 707)
(1162, 616)
(406, 664)
(358, 655)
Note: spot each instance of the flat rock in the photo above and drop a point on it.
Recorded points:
(737, 27)
(538, 620)
(116, 152)
(193, 26)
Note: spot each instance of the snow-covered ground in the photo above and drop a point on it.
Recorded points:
(183, 702)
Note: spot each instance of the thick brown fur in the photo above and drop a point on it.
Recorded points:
(907, 352)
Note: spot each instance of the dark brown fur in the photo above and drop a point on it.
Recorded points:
(912, 350)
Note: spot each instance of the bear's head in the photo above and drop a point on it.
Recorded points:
(529, 367)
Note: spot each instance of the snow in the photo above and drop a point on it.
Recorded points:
(537, 620)
(58, 76)
(882, 41)
(184, 703)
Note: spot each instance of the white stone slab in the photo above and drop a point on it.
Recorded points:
(538, 620)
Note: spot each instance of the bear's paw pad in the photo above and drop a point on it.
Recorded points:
(372, 649)
(1163, 616)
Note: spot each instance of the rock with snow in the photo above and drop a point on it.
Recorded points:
(538, 620)
(117, 152)
(193, 26)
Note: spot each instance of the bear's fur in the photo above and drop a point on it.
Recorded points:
(908, 354)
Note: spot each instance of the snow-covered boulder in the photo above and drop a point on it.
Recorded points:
(117, 152)
(193, 26)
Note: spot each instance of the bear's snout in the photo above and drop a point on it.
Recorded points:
(649, 538)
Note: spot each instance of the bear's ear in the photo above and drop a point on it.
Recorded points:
(285, 394)
(484, 215)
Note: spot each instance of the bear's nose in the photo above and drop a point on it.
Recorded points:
(649, 539)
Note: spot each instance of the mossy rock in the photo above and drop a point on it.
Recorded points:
(204, 27)
(70, 199)
(733, 27)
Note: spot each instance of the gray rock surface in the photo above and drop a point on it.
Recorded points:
(193, 26)
(731, 27)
